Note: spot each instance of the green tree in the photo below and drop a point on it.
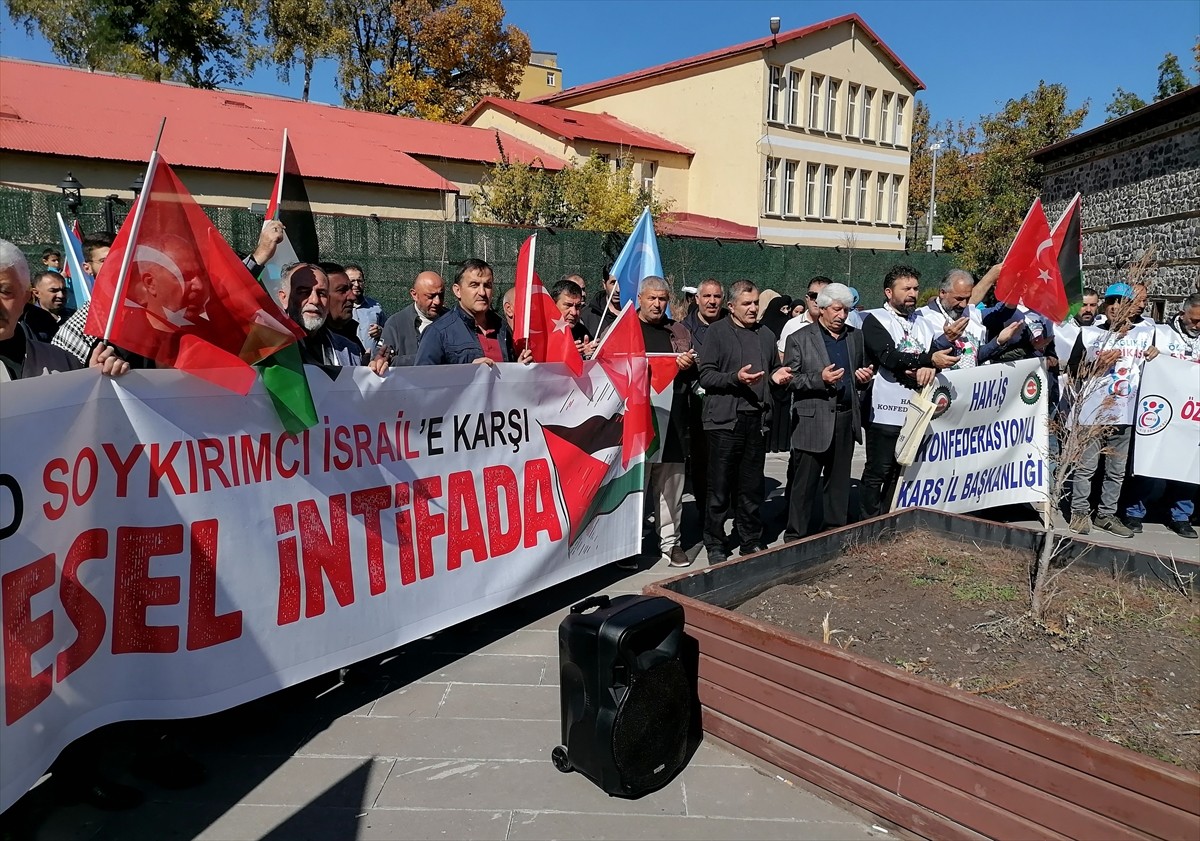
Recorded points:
(204, 43)
(300, 32)
(431, 59)
(1123, 102)
(1170, 78)
(920, 168)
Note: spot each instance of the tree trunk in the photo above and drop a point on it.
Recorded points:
(308, 68)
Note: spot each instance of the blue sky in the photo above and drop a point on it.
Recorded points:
(973, 55)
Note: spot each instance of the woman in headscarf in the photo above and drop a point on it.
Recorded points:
(773, 315)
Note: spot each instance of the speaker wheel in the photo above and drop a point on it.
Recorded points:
(559, 757)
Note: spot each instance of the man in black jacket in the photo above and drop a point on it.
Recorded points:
(708, 309)
(736, 360)
(402, 332)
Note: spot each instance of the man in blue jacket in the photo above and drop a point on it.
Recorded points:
(472, 332)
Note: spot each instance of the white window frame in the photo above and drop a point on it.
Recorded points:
(848, 177)
(829, 172)
(793, 94)
(788, 208)
(881, 196)
(550, 77)
(852, 110)
(812, 175)
(864, 196)
(771, 186)
(900, 136)
(885, 117)
(816, 86)
(833, 89)
(894, 206)
(774, 92)
(868, 95)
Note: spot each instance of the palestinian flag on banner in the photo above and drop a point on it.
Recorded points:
(283, 374)
(576, 454)
(663, 369)
(1067, 234)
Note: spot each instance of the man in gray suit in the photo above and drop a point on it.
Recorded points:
(829, 369)
(402, 332)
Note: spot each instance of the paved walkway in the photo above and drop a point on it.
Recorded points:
(450, 737)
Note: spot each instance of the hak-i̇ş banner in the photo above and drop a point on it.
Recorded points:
(169, 552)
(987, 442)
(1167, 420)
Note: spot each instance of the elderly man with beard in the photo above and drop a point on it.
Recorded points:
(829, 370)
(955, 324)
(899, 348)
(1180, 339)
(304, 296)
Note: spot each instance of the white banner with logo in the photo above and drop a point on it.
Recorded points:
(986, 444)
(1167, 421)
(168, 552)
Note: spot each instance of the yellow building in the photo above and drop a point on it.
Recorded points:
(803, 135)
(542, 76)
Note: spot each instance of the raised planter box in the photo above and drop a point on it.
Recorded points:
(935, 760)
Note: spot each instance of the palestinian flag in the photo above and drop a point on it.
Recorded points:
(283, 374)
(1067, 234)
(575, 452)
(663, 370)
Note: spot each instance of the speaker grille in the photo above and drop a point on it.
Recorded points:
(651, 727)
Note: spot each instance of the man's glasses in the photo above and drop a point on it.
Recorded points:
(812, 296)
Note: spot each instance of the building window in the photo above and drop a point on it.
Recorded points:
(827, 192)
(462, 209)
(847, 193)
(810, 190)
(864, 211)
(894, 208)
(774, 94)
(771, 186)
(900, 138)
(793, 111)
(885, 117)
(814, 100)
(831, 103)
(789, 187)
(851, 110)
(649, 170)
(881, 197)
(868, 95)
(550, 77)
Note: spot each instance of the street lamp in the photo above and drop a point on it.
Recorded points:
(933, 147)
(137, 184)
(72, 193)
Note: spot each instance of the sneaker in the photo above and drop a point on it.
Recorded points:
(1112, 525)
(1081, 523)
(752, 548)
(1182, 528)
(1134, 524)
(717, 555)
(630, 564)
(679, 558)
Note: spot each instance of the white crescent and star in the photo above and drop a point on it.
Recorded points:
(1043, 274)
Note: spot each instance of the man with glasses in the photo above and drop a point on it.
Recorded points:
(368, 312)
(810, 315)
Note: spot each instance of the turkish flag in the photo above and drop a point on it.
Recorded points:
(537, 323)
(622, 354)
(186, 300)
(1031, 275)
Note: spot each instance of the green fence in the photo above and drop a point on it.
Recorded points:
(393, 251)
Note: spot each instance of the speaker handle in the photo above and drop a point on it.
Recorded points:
(589, 603)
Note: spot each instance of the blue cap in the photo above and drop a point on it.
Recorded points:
(854, 295)
(1119, 290)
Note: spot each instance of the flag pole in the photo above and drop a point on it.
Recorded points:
(528, 290)
(139, 211)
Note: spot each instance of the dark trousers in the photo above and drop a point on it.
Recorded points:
(736, 460)
(881, 471)
(698, 459)
(829, 469)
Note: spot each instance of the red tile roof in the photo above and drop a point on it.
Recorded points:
(729, 52)
(578, 125)
(42, 107)
(708, 227)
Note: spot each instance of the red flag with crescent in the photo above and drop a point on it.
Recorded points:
(1031, 275)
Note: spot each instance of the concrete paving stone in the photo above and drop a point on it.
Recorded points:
(495, 668)
(433, 824)
(438, 738)
(716, 756)
(535, 786)
(542, 826)
(748, 792)
(416, 700)
(527, 703)
(520, 643)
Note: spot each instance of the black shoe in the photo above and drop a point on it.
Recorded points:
(109, 795)
(752, 548)
(172, 769)
(1134, 524)
(716, 555)
(1182, 528)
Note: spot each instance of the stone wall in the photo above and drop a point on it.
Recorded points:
(1137, 190)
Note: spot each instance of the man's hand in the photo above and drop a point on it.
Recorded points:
(1105, 359)
(863, 375)
(525, 356)
(488, 361)
(272, 234)
(942, 359)
(105, 358)
(1151, 352)
(925, 376)
(981, 289)
(1040, 343)
(954, 329)
(1010, 332)
(831, 375)
(782, 376)
(746, 378)
(686, 360)
(374, 331)
(380, 364)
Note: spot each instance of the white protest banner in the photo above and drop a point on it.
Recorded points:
(170, 553)
(1167, 421)
(987, 442)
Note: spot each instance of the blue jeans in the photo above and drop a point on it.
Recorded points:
(1147, 489)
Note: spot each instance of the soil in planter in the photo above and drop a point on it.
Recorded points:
(1116, 659)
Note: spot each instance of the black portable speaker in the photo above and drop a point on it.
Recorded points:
(627, 697)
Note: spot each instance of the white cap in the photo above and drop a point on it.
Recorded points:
(689, 290)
